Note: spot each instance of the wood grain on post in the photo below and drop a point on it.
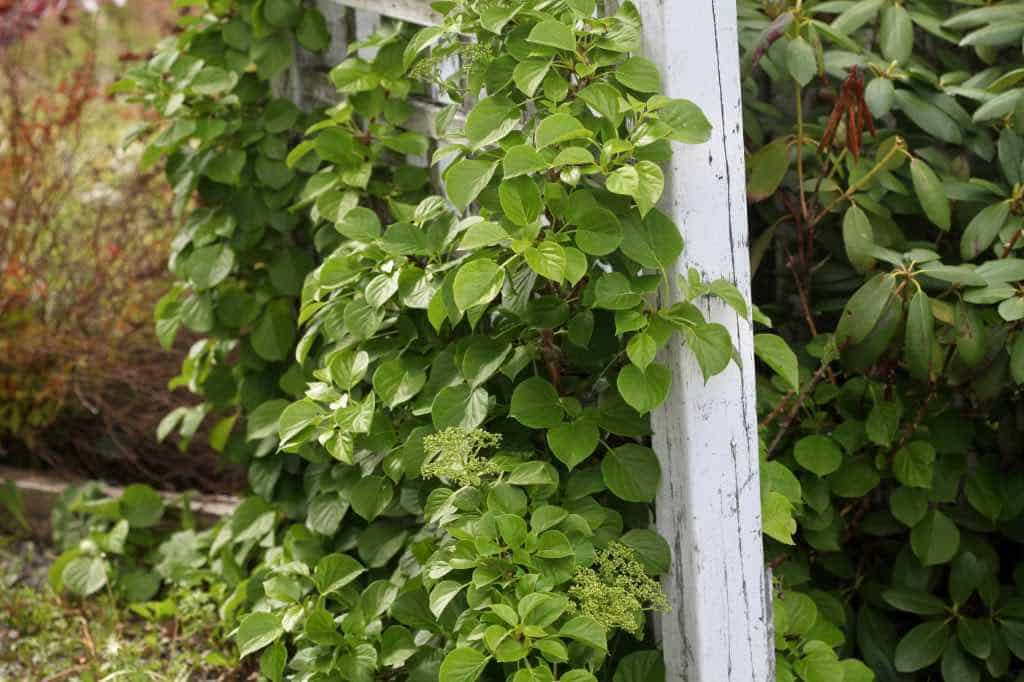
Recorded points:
(709, 505)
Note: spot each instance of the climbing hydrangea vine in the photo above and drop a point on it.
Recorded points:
(442, 397)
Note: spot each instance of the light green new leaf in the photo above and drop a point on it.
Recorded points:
(896, 34)
(711, 345)
(776, 353)
(640, 74)
(547, 259)
(256, 631)
(553, 34)
(477, 283)
(520, 200)
(801, 61)
(644, 389)
(859, 239)
(522, 160)
(465, 179)
(559, 128)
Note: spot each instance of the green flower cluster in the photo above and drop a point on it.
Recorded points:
(616, 591)
(454, 455)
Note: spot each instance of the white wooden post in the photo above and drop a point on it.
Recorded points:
(709, 505)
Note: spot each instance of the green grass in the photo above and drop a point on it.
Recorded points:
(47, 637)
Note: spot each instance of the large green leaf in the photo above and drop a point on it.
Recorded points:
(256, 631)
(632, 473)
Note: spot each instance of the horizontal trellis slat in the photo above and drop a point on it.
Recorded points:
(415, 11)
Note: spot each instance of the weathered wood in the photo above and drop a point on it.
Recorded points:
(415, 11)
(706, 434)
(40, 491)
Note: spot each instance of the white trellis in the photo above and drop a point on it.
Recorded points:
(705, 435)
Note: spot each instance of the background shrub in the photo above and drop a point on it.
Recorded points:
(885, 163)
(83, 253)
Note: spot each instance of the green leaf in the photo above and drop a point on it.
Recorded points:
(650, 548)
(777, 517)
(896, 34)
(801, 61)
(909, 505)
(371, 496)
(641, 350)
(547, 259)
(644, 389)
(930, 193)
(529, 74)
(573, 442)
(273, 661)
(624, 180)
(639, 74)
(553, 34)
(640, 666)
(360, 224)
(443, 594)
(465, 179)
(632, 473)
(920, 337)
(687, 120)
(776, 353)
(922, 646)
(273, 339)
(586, 630)
(912, 601)
(859, 239)
(210, 265)
(928, 117)
(141, 506)
(482, 359)
(650, 187)
(226, 167)
(460, 406)
(604, 99)
(983, 229)
(490, 120)
(711, 345)
(522, 160)
(256, 631)
(463, 665)
(935, 539)
(335, 571)
(477, 283)
(818, 454)
(313, 34)
(599, 232)
(85, 575)
(864, 309)
(614, 292)
(558, 128)
(536, 404)
(767, 167)
(520, 200)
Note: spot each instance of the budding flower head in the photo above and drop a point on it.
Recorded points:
(616, 591)
(454, 455)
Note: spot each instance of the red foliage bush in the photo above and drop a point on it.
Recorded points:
(83, 256)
